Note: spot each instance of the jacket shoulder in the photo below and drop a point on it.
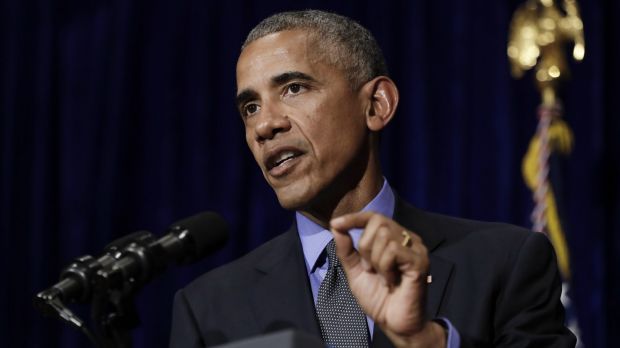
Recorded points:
(449, 229)
(240, 271)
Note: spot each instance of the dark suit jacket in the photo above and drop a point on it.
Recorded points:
(497, 284)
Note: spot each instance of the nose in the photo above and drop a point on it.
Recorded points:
(271, 122)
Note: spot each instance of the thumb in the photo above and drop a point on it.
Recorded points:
(345, 251)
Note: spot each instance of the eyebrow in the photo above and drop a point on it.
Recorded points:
(249, 94)
(245, 96)
(289, 76)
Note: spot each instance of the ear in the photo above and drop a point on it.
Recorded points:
(382, 95)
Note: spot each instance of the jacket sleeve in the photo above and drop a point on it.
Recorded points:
(529, 312)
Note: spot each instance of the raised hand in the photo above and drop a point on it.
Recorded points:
(388, 277)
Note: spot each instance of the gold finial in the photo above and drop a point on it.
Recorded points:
(538, 31)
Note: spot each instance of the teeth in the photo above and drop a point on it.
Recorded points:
(284, 156)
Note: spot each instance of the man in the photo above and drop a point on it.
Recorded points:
(313, 94)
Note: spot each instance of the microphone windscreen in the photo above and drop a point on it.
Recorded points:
(208, 232)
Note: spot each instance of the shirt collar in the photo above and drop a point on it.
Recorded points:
(315, 238)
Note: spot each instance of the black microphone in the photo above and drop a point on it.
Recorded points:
(188, 241)
(137, 254)
(75, 280)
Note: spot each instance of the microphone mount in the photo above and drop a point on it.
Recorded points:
(111, 282)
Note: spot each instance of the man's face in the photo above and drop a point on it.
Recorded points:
(303, 123)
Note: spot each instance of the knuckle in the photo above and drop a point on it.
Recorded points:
(364, 246)
(377, 218)
(392, 247)
(383, 232)
(385, 265)
(373, 220)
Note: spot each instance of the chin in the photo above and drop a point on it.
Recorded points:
(293, 198)
(289, 202)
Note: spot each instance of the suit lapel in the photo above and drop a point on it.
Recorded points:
(441, 269)
(281, 297)
(419, 222)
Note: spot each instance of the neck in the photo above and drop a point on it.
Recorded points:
(349, 193)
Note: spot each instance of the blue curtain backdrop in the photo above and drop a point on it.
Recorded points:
(118, 115)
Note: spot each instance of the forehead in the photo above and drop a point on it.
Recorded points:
(290, 50)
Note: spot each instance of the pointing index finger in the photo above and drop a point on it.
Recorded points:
(349, 221)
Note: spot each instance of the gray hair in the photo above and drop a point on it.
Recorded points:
(344, 42)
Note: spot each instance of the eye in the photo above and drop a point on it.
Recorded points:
(294, 88)
(250, 109)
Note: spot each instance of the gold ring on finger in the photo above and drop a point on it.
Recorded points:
(406, 239)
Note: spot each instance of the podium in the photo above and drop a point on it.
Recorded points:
(281, 339)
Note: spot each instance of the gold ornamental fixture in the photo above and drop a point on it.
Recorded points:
(539, 31)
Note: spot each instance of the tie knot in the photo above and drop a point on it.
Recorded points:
(331, 254)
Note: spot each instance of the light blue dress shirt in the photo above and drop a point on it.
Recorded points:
(315, 238)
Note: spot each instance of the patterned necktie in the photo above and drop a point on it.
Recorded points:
(342, 322)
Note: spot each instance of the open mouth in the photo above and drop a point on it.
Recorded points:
(281, 160)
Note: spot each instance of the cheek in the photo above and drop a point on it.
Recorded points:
(342, 125)
(249, 139)
(337, 139)
(250, 132)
